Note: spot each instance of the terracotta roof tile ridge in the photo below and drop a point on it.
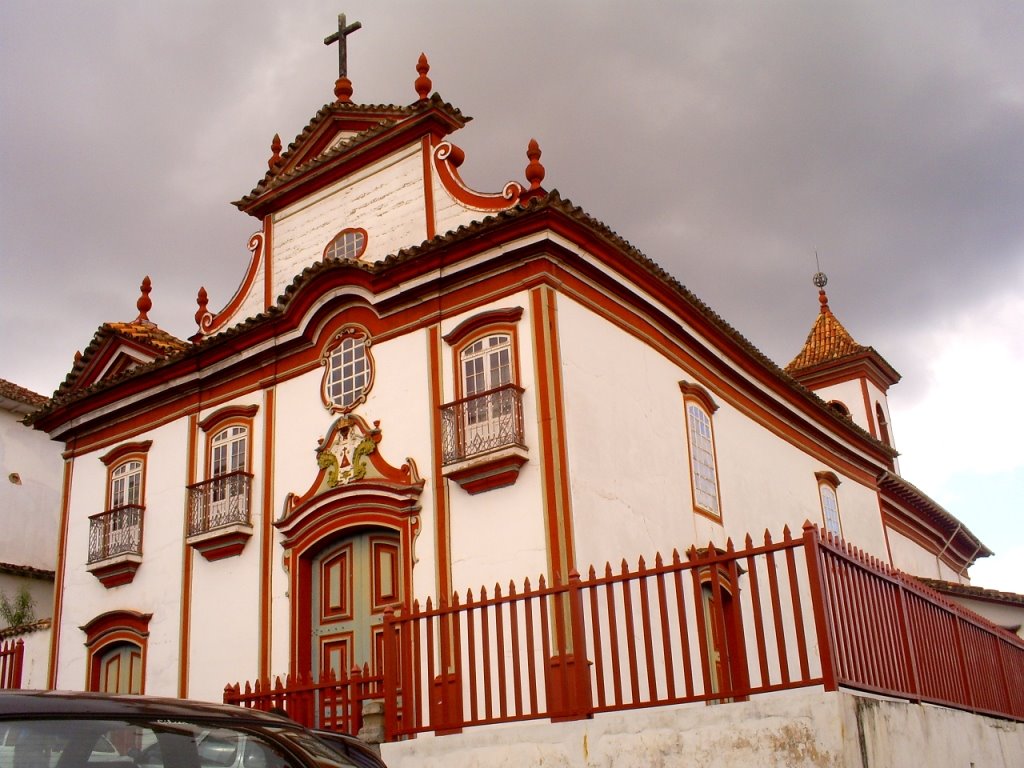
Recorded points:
(12, 391)
(27, 570)
(827, 341)
(970, 590)
(273, 178)
(25, 629)
(898, 483)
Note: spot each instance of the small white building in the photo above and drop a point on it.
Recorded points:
(419, 389)
(29, 505)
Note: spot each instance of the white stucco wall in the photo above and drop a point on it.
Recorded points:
(499, 535)
(157, 585)
(630, 466)
(806, 728)
(29, 505)
(386, 199)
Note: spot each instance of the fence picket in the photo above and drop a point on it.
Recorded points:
(571, 649)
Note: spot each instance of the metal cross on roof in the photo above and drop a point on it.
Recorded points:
(340, 37)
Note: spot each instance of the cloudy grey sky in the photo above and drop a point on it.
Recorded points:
(727, 141)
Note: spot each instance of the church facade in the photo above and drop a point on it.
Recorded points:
(419, 389)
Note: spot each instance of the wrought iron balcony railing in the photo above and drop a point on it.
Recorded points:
(219, 502)
(482, 423)
(115, 532)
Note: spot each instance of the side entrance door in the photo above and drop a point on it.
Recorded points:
(354, 580)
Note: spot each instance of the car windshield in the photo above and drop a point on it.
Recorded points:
(104, 743)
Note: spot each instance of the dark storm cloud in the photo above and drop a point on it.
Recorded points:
(727, 141)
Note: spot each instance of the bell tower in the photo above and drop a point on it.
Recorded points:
(852, 378)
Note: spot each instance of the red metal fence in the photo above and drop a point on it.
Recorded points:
(888, 633)
(334, 703)
(12, 658)
(717, 625)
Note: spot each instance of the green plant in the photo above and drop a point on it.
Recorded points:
(18, 611)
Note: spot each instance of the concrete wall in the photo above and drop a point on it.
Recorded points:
(29, 502)
(795, 729)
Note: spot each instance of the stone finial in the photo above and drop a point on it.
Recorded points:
(823, 300)
(423, 83)
(534, 171)
(144, 304)
(202, 300)
(343, 90)
(275, 148)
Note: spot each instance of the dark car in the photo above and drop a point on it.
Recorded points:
(57, 729)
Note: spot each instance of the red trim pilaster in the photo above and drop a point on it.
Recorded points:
(442, 532)
(267, 532)
(551, 428)
(428, 188)
(268, 261)
(185, 626)
(58, 585)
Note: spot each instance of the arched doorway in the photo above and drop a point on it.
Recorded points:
(120, 669)
(355, 578)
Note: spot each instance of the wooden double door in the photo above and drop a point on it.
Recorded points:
(355, 579)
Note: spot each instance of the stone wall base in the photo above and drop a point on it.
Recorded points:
(793, 729)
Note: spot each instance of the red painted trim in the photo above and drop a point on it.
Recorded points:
(827, 476)
(472, 325)
(125, 450)
(530, 268)
(268, 261)
(447, 158)
(703, 399)
(885, 528)
(551, 427)
(358, 230)
(267, 532)
(225, 546)
(867, 408)
(58, 584)
(210, 323)
(115, 574)
(406, 132)
(220, 417)
(349, 330)
(341, 512)
(488, 475)
(185, 621)
(428, 189)
(929, 539)
(442, 532)
(111, 628)
(699, 393)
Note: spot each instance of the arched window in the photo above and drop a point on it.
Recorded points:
(840, 408)
(486, 416)
(121, 669)
(126, 484)
(883, 425)
(348, 245)
(221, 503)
(115, 535)
(349, 370)
(828, 484)
(701, 443)
(116, 648)
(486, 364)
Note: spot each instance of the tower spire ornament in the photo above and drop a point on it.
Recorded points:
(343, 86)
(820, 280)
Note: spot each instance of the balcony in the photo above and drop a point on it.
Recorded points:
(219, 520)
(482, 439)
(115, 544)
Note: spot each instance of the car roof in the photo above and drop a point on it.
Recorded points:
(14, 703)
